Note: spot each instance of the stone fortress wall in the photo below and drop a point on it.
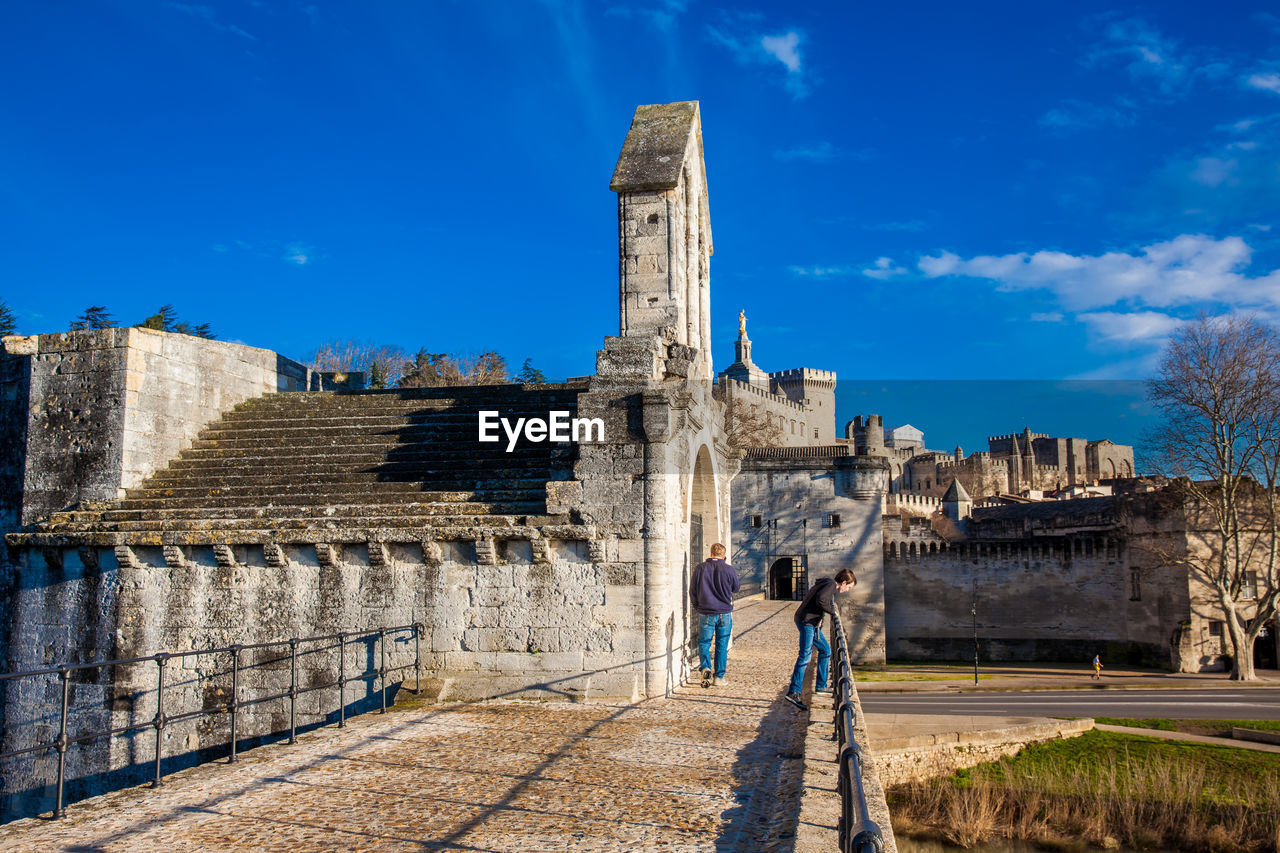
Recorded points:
(1049, 582)
(582, 596)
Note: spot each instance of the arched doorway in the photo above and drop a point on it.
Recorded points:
(788, 579)
(1266, 649)
(704, 530)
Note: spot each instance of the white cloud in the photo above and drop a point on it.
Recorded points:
(1214, 171)
(822, 152)
(1131, 328)
(785, 49)
(1047, 317)
(905, 225)
(1266, 82)
(300, 254)
(1072, 114)
(884, 269)
(210, 17)
(1189, 269)
(1154, 59)
(1144, 51)
(741, 34)
(820, 272)
(662, 15)
(819, 151)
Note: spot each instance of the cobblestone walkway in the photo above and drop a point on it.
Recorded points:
(704, 770)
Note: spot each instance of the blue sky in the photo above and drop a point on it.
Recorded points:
(928, 191)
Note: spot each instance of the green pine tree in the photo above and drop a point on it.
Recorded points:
(8, 323)
(530, 375)
(377, 376)
(166, 320)
(94, 317)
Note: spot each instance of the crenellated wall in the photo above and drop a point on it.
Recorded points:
(1061, 580)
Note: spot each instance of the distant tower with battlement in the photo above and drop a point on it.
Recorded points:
(816, 391)
(801, 401)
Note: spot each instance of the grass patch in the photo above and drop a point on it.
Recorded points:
(1211, 728)
(1104, 788)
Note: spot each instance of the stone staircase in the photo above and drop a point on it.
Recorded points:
(338, 468)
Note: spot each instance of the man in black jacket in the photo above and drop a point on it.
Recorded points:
(711, 591)
(820, 601)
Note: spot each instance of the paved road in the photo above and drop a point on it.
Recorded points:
(1254, 703)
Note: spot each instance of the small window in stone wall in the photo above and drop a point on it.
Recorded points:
(815, 433)
(833, 520)
(1135, 586)
(1249, 589)
(756, 521)
(1216, 639)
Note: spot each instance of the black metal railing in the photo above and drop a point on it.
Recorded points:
(232, 706)
(858, 832)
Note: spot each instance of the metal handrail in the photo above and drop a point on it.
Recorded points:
(858, 832)
(161, 720)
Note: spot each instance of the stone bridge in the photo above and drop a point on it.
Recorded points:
(720, 769)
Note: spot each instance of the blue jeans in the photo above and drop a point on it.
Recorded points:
(719, 625)
(811, 636)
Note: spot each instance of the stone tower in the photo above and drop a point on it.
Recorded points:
(815, 389)
(743, 368)
(664, 231)
(956, 503)
(875, 435)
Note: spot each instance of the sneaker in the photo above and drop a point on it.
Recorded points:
(794, 699)
(827, 691)
(706, 678)
(720, 681)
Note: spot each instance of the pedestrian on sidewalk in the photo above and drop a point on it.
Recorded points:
(1097, 667)
(820, 600)
(711, 591)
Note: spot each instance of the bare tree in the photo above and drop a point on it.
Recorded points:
(380, 361)
(747, 425)
(1218, 387)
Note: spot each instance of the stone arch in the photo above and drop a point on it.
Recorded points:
(704, 505)
(788, 579)
(703, 520)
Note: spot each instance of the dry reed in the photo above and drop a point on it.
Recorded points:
(1143, 801)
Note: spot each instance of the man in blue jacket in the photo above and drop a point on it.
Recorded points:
(711, 591)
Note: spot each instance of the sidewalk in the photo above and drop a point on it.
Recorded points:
(1003, 677)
